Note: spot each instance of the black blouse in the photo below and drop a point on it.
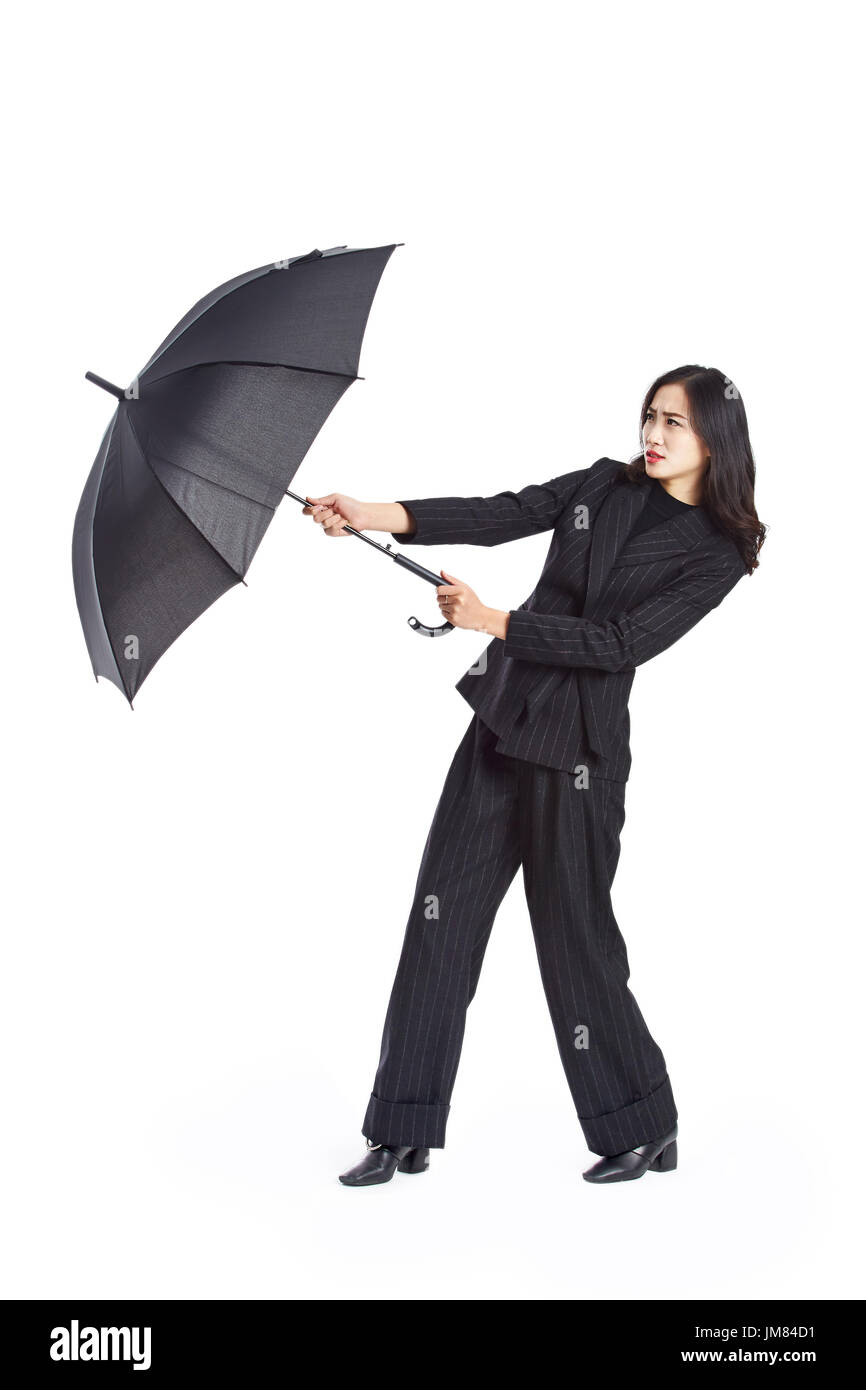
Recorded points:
(659, 507)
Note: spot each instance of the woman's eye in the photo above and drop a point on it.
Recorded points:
(670, 419)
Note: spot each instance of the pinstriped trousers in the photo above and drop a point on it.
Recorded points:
(495, 813)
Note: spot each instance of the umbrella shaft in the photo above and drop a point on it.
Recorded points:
(403, 560)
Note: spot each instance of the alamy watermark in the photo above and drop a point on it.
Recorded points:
(102, 1344)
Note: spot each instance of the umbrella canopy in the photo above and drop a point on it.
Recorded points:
(203, 445)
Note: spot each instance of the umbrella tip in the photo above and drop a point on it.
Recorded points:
(109, 386)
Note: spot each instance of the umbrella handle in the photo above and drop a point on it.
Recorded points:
(404, 562)
(414, 568)
(431, 631)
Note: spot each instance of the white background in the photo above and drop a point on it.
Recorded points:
(205, 898)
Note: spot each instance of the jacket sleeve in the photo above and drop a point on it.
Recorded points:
(629, 639)
(490, 520)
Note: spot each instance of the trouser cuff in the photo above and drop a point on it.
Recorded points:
(405, 1122)
(634, 1124)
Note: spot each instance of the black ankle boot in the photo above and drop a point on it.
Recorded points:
(381, 1162)
(658, 1154)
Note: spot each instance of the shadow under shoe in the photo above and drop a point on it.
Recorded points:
(660, 1155)
(382, 1161)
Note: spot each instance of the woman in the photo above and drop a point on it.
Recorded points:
(640, 553)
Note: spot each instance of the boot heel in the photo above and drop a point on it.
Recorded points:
(666, 1161)
(416, 1161)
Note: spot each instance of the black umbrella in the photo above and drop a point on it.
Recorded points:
(203, 445)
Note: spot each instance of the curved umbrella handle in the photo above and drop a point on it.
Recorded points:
(422, 573)
(431, 631)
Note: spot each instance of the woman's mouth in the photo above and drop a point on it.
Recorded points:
(653, 456)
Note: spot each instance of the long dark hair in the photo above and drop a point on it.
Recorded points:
(718, 416)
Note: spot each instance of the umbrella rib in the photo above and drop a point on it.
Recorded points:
(171, 499)
(212, 482)
(244, 362)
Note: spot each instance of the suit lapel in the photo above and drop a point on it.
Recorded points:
(614, 519)
(611, 545)
(671, 537)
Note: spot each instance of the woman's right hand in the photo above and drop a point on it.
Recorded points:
(332, 511)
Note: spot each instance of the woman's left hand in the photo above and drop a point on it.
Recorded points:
(461, 605)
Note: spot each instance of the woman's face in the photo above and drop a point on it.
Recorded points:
(672, 450)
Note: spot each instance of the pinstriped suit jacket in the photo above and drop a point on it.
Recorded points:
(556, 690)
